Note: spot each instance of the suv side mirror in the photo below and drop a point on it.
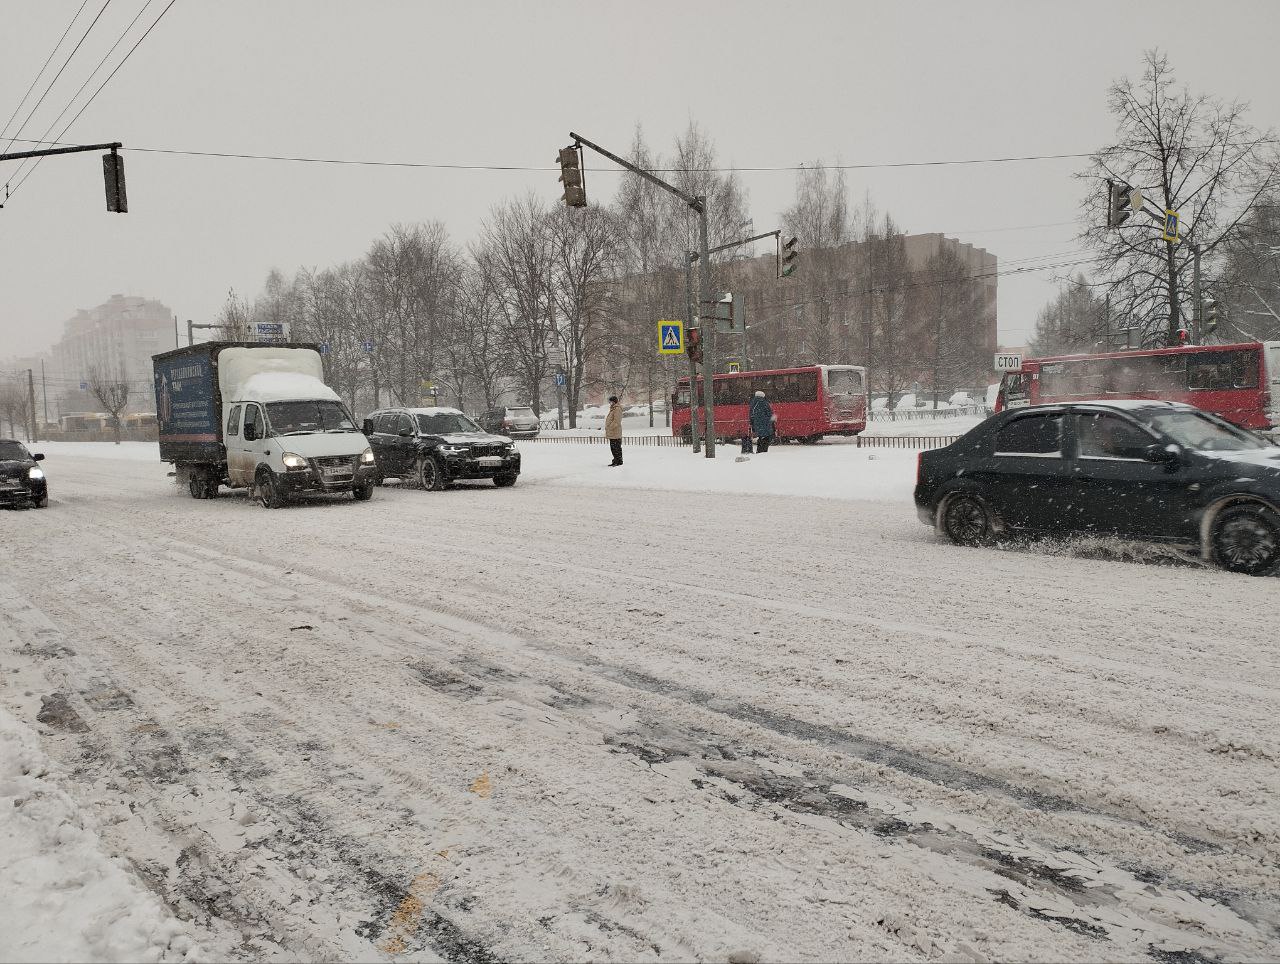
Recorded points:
(1169, 454)
(38, 457)
(367, 426)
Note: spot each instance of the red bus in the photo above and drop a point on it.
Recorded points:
(808, 402)
(1241, 382)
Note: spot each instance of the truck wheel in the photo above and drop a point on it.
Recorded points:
(363, 492)
(269, 492)
(210, 487)
(430, 474)
(195, 485)
(505, 481)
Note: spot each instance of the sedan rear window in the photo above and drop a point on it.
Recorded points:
(1031, 435)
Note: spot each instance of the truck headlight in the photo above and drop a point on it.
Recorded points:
(366, 457)
(35, 472)
(292, 461)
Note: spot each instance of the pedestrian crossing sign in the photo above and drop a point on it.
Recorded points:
(671, 337)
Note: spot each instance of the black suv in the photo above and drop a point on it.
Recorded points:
(1158, 471)
(435, 446)
(22, 482)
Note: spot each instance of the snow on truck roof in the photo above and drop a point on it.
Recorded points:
(283, 387)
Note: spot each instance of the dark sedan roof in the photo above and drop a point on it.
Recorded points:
(1118, 404)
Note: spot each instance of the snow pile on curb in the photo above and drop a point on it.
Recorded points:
(61, 897)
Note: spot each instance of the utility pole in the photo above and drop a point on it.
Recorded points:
(176, 343)
(1196, 294)
(695, 433)
(31, 402)
(699, 205)
(44, 391)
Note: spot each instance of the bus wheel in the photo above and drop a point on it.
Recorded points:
(1246, 538)
(966, 520)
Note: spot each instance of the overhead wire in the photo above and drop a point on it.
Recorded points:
(40, 73)
(72, 99)
(94, 95)
(453, 166)
(79, 43)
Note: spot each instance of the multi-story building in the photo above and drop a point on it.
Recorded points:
(119, 336)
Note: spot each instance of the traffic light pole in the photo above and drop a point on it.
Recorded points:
(699, 204)
(695, 433)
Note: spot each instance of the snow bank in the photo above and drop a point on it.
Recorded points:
(61, 897)
(817, 471)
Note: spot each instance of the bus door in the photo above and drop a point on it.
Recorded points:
(1271, 370)
(1015, 390)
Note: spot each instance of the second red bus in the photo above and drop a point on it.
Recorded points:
(807, 402)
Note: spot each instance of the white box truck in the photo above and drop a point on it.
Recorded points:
(257, 416)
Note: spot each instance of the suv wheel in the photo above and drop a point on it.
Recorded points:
(430, 474)
(504, 481)
(363, 492)
(966, 520)
(1246, 538)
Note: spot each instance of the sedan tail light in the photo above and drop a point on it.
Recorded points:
(919, 467)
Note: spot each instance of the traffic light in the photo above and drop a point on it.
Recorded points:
(113, 174)
(693, 345)
(790, 254)
(575, 191)
(1210, 317)
(1120, 202)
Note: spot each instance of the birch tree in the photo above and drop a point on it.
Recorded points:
(1189, 153)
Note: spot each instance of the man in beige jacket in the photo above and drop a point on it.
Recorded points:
(613, 430)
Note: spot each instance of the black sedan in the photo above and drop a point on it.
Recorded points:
(432, 447)
(1153, 471)
(22, 482)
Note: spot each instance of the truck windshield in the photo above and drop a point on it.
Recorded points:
(442, 423)
(308, 418)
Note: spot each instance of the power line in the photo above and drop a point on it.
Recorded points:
(40, 73)
(94, 73)
(94, 95)
(301, 159)
(82, 39)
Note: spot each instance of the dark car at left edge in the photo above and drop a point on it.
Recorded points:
(1140, 470)
(22, 481)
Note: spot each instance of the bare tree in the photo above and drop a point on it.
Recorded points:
(586, 256)
(109, 383)
(1248, 288)
(15, 405)
(1188, 153)
(234, 321)
(1075, 320)
(518, 250)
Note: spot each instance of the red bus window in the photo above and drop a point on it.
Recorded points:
(1219, 371)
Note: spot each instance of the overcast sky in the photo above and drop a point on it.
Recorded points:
(487, 83)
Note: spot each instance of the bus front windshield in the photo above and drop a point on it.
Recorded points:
(308, 418)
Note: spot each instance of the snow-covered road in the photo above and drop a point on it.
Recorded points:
(591, 717)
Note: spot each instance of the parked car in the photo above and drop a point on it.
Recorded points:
(22, 482)
(516, 421)
(432, 447)
(1148, 470)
